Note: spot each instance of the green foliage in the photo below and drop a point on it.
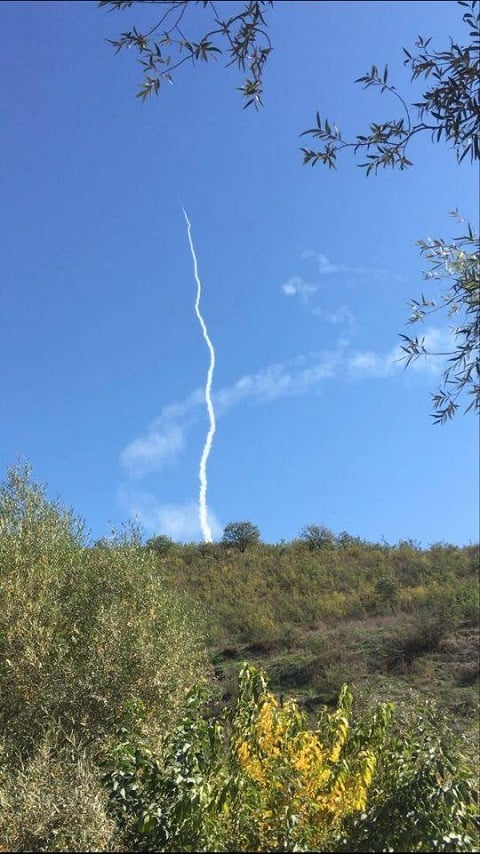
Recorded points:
(410, 639)
(166, 799)
(255, 779)
(111, 739)
(161, 544)
(90, 640)
(448, 109)
(424, 796)
(344, 539)
(315, 618)
(240, 535)
(83, 632)
(387, 588)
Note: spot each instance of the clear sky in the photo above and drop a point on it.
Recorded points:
(306, 276)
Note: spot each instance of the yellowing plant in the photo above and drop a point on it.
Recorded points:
(300, 784)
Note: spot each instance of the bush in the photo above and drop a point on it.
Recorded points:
(258, 779)
(387, 590)
(411, 639)
(85, 634)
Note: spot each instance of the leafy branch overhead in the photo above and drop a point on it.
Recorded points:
(449, 110)
(163, 48)
(459, 263)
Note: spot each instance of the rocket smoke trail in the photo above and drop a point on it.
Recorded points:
(202, 473)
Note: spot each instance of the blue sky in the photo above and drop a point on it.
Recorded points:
(306, 275)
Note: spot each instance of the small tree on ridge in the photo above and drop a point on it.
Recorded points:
(240, 535)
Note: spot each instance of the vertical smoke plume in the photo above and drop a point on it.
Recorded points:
(202, 474)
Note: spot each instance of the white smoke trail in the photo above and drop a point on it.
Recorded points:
(202, 473)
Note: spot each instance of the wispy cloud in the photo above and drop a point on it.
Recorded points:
(296, 286)
(340, 316)
(326, 267)
(279, 380)
(436, 340)
(370, 365)
(159, 446)
(179, 521)
(165, 438)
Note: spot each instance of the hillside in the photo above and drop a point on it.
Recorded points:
(391, 621)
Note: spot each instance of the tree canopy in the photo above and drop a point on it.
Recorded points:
(240, 535)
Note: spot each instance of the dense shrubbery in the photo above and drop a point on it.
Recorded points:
(258, 779)
(425, 794)
(113, 733)
(90, 641)
(54, 800)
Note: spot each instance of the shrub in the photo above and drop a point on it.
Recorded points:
(387, 590)
(411, 639)
(258, 779)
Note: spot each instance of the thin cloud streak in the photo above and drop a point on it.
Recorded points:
(372, 365)
(298, 287)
